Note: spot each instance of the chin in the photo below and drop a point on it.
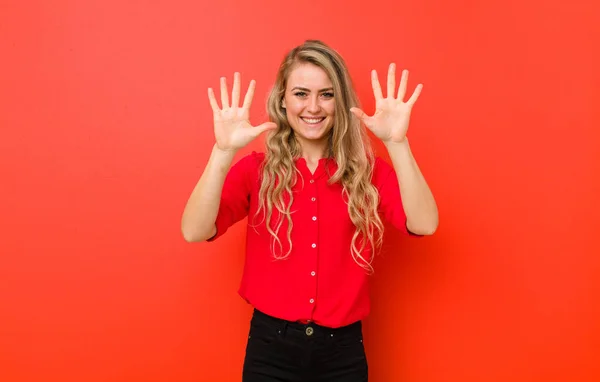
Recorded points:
(313, 135)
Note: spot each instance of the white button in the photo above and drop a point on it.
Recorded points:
(314, 245)
(314, 218)
(312, 180)
(313, 199)
(312, 273)
(312, 300)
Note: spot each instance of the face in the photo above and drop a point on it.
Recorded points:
(309, 103)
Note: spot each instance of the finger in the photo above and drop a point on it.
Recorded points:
(224, 95)
(235, 95)
(391, 81)
(249, 95)
(213, 101)
(415, 94)
(258, 130)
(403, 83)
(361, 115)
(358, 112)
(376, 86)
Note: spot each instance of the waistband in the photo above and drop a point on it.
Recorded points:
(306, 328)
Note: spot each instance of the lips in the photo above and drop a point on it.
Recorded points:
(313, 120)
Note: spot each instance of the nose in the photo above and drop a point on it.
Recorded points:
(313, 105)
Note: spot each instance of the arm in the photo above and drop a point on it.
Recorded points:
(417, 199)
(233, 131)
(200, 213)
(390, 124)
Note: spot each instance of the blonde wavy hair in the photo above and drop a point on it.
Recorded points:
(348, 145)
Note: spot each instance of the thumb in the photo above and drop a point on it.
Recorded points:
(361, 115)
(258, 130)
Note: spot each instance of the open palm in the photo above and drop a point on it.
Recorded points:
(392, 115)
(232, 126)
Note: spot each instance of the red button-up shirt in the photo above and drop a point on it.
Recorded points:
(319, 281)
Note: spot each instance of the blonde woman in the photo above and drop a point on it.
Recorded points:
(315, 200)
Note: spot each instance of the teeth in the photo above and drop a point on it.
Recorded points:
(313, 120)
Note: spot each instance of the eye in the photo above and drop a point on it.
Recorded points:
(300, 94)
(328, 95)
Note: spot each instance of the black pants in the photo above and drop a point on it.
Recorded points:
(285, 351)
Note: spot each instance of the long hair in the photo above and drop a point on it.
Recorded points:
(348, 145)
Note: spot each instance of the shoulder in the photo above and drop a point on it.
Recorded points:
(381, 168)
(383, 173)
(250, 161)
(381, 164)
(247, 168)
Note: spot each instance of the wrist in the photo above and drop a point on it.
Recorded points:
(223, 153)
(220, 150)
(402, 145)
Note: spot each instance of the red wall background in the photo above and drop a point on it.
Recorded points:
(105, 128)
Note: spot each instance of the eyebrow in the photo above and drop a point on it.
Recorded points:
(308, 90)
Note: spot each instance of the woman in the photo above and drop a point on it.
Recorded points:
(315, 201)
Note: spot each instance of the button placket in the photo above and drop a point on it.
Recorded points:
(314, 231)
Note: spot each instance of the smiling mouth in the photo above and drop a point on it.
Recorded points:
(313, 121)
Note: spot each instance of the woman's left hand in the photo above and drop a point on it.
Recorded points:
(392, 114)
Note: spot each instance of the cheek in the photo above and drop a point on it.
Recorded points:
(331, 114)
(292, 107)
(331, 109)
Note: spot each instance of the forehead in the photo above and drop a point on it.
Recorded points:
(308, 76)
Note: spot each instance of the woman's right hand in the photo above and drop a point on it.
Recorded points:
(233, 130)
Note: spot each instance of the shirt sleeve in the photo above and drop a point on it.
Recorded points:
(390, 203)
(235, 197)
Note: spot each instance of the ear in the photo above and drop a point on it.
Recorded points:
(283, 103)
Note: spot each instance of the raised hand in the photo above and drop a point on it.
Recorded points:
(233, 130)
(392, 114)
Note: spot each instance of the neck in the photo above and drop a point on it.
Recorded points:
(313, 151)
